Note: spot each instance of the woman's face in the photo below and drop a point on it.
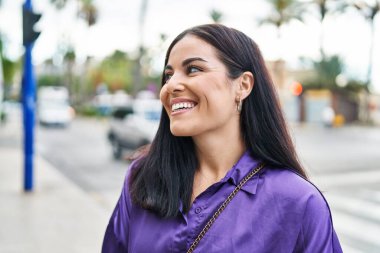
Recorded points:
(198, 96)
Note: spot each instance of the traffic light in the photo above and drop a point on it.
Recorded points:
(29, 19)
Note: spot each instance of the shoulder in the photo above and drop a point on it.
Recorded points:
(287, 186)
(300, 205)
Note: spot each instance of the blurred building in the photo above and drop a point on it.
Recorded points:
(304, 104)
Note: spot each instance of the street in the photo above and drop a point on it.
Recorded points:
(343, 162)
(83, 154)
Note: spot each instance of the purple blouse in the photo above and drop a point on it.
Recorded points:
(276, 211)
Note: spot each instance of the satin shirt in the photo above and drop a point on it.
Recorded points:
(276, 211)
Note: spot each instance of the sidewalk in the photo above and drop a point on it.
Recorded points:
(56, 217)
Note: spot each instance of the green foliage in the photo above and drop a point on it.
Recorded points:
(10, 67)
(283, 11)
(115, 71)
(216, 16)
(356, 86)
(88, 12)
(59, 4)
(69, 55)
(3, 116)
(49, 80)
(88, 111)
(326, 71)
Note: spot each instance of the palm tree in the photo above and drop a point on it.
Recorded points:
(326, 7)
(216, 16)
(369, 12)
(283, 11)
(88, 12)
(59, 4)
(137, 71)
(322, 7)
(87, 9)
(69, 61)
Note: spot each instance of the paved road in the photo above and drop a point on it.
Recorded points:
(344, 163)
(83, 154)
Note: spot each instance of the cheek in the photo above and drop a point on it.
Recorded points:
(164, 97)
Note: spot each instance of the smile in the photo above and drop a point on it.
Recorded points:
(182, 106)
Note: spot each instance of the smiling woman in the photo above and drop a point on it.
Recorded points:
(221, 174)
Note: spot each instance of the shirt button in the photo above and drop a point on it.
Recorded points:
(198, 210)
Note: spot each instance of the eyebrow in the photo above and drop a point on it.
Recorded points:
(186, 62)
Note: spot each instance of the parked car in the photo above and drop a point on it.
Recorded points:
(53, 106)
(134, 126)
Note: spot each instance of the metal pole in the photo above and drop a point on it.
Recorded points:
(28, 101)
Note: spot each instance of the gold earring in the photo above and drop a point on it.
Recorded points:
(239, 105)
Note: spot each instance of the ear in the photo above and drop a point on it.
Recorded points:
(246, 83)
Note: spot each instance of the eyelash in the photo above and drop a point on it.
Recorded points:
(188, 69)
(167, 76)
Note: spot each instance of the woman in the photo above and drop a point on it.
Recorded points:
(221, 121)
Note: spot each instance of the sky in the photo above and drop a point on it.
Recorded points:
(347, 35)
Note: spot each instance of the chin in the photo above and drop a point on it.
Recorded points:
(181, 131)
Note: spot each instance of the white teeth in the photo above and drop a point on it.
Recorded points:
(182, 105)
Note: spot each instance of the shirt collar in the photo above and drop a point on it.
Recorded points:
(245, 164)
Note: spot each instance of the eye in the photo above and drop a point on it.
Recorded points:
(167, 76)
(192, 69)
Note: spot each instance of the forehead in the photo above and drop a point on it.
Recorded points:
(191, 46)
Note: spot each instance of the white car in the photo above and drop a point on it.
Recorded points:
(55, 113)
(53, 106)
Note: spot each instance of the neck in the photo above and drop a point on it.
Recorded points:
(217, 153)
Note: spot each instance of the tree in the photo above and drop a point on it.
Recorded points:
(216, 16)
(369, 11)
(283, 11)
(326, 72)
(59, 4)
(322, 7)
(326, 7)
(9, 67)
(87, 9)
(88, 12)
(137, 72)
(69, 60)
(115, 71)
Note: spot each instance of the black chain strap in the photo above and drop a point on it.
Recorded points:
(223, 206)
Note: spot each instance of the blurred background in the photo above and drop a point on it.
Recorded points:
(93, 100)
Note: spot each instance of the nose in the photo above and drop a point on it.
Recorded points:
(175, 84)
